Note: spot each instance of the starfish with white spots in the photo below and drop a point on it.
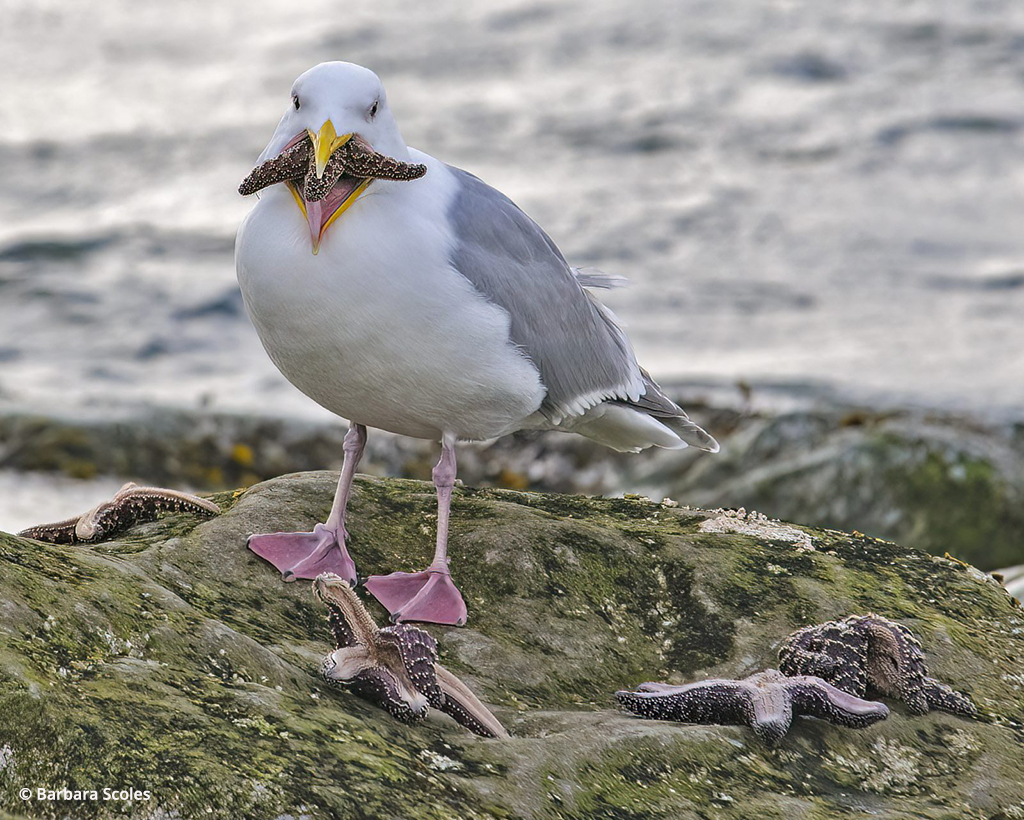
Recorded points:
(871, 655)
(130, 505)
(767, 702)
(396, 667)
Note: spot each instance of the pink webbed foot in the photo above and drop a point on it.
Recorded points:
(429, 596)
(305, 554)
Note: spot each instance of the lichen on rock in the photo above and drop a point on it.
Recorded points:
(176, 661)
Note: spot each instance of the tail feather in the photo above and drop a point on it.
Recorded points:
(656, 404)
(652, 420)
(692, 434)
(630, 429)
(594, 278)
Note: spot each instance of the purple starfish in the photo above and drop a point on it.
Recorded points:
(767, 702)
(130, 505)
(396, 667)
(871, 655)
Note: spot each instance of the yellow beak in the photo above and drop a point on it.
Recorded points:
(325, 143)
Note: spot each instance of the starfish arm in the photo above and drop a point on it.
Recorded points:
(363, 161)
(289, 165)
(59, 532)
(660, 687)
(465, 707)
(340, 629)
(315, 188)
(151, 499)
(712, 701)
(350, 622)
(941, 696)
(379, 686)
(814, 697)
(417, 652)
(836, 652)
(799, 661)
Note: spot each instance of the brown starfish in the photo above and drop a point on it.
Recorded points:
(767, 702)
(130, 505)
(871, 655)
(355, 159)
(290, 164)
(396, 667)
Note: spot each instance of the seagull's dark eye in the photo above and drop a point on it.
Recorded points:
(295, 102)
(373, 109)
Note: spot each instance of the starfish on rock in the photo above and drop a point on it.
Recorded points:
(868, 655)
(130, 505)
(767, 702)
(396, 667)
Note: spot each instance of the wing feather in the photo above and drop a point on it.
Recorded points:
(575, 342)
(583, 356)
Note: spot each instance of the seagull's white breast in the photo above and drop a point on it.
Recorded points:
(378, 327)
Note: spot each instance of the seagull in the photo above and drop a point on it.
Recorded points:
(423, 302)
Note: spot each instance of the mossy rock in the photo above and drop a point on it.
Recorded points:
(939, 484)
(173, 660)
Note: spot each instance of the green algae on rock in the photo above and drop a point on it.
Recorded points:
(174, 660)
(936, 482)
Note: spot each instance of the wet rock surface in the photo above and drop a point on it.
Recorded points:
(176, 661)
(932, 481)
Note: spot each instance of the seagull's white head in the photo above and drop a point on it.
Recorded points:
(331, 103)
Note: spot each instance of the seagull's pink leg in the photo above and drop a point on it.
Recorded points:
(307, 554)
(429, 595)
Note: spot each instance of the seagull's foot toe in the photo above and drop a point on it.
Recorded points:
(305, 554)
(428, 596)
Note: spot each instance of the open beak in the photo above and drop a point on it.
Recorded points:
(325, 143)
(321, 214)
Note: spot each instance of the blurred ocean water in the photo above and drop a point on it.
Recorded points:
(809, 193)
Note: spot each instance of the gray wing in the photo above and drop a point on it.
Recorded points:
(582, 354)
(594, 278)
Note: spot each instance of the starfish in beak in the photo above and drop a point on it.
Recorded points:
(337, 199)
(326, 173)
